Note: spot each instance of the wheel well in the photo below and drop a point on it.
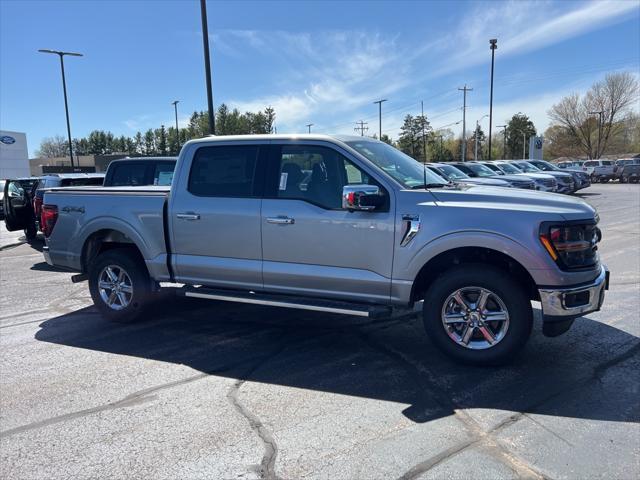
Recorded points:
(104, 240)
(442, 262)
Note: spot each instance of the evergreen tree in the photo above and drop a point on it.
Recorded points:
(161, 140)
(519, 130)
(149, 143)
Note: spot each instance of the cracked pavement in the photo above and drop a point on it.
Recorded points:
(217, 390)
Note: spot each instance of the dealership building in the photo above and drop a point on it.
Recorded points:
(14, 158)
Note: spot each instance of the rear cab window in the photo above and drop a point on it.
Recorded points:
(128, 174)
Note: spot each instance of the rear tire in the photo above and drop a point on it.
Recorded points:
(448, 327)
(120, 285)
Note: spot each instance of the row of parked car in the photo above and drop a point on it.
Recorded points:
(531, 174)
(625, 170)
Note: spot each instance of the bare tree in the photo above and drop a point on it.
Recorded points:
(612, 96)
(53, 147)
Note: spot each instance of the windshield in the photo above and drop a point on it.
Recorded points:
(480, 170)
(510, 169)
(544, 166)
(402, 168)
(452, 172)
(527, 167)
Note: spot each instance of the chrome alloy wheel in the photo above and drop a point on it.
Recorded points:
(115, 287)
(475, 318)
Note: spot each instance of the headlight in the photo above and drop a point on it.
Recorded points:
(572, 245)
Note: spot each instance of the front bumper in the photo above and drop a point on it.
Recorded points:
(561, 306)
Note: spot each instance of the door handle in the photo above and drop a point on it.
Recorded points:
(188, 216)
(281, 220)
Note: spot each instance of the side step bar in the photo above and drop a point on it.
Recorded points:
(286, 301)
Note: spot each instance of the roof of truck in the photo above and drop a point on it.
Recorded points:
(280, 136)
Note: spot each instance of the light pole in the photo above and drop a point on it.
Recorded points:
(504, 142)
(424, 133)
(175, 108)
(475, 156)
(207, 66)
(309, 125)
(379, 102)
(64, 89)
(493, 45)
(599, 113)
(524, 143)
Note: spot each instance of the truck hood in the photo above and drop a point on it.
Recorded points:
(494, 182)
(496, 198)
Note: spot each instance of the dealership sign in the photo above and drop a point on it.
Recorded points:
(7, 140)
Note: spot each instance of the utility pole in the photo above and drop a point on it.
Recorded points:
(464, 120)
(64, 89)
(309, 125)
(379, 102)
(600, 113)
(207, 66)
(361, 127)
(175, 108)
(524, 144)
(424, 133)
(504, 144)
(493, 45)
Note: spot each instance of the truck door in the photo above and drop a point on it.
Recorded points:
(311, 245)
(215, 217)
(18, 210)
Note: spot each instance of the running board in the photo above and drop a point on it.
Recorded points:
(286, 301)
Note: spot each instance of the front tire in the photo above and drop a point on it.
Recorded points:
(120, 285)
(477, 314)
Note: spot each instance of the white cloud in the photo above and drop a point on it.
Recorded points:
(522, 27)
(336, 71)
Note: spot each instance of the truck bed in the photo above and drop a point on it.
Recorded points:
(128, 214)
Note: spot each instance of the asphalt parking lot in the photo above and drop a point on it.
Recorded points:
(216, 390)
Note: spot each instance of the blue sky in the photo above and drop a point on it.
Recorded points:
(315, 62)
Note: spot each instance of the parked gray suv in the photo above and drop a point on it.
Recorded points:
(338, 224)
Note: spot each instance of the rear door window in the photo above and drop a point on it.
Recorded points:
(224, 171)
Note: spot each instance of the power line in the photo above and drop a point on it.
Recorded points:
(361, 127)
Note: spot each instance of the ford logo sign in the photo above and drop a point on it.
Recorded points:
(7, 140)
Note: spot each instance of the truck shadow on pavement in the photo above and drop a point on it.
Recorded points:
(583, 374)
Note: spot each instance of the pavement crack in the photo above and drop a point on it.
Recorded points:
(267, 465)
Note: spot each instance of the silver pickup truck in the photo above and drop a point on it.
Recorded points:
(337, 224)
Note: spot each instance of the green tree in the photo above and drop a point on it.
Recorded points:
(139, 143)
(161, 140)
(519, 130)
(270, 119)
(149, 143)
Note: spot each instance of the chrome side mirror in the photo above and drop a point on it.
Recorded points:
(361, 197)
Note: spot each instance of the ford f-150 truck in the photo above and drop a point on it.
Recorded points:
(337, 224)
